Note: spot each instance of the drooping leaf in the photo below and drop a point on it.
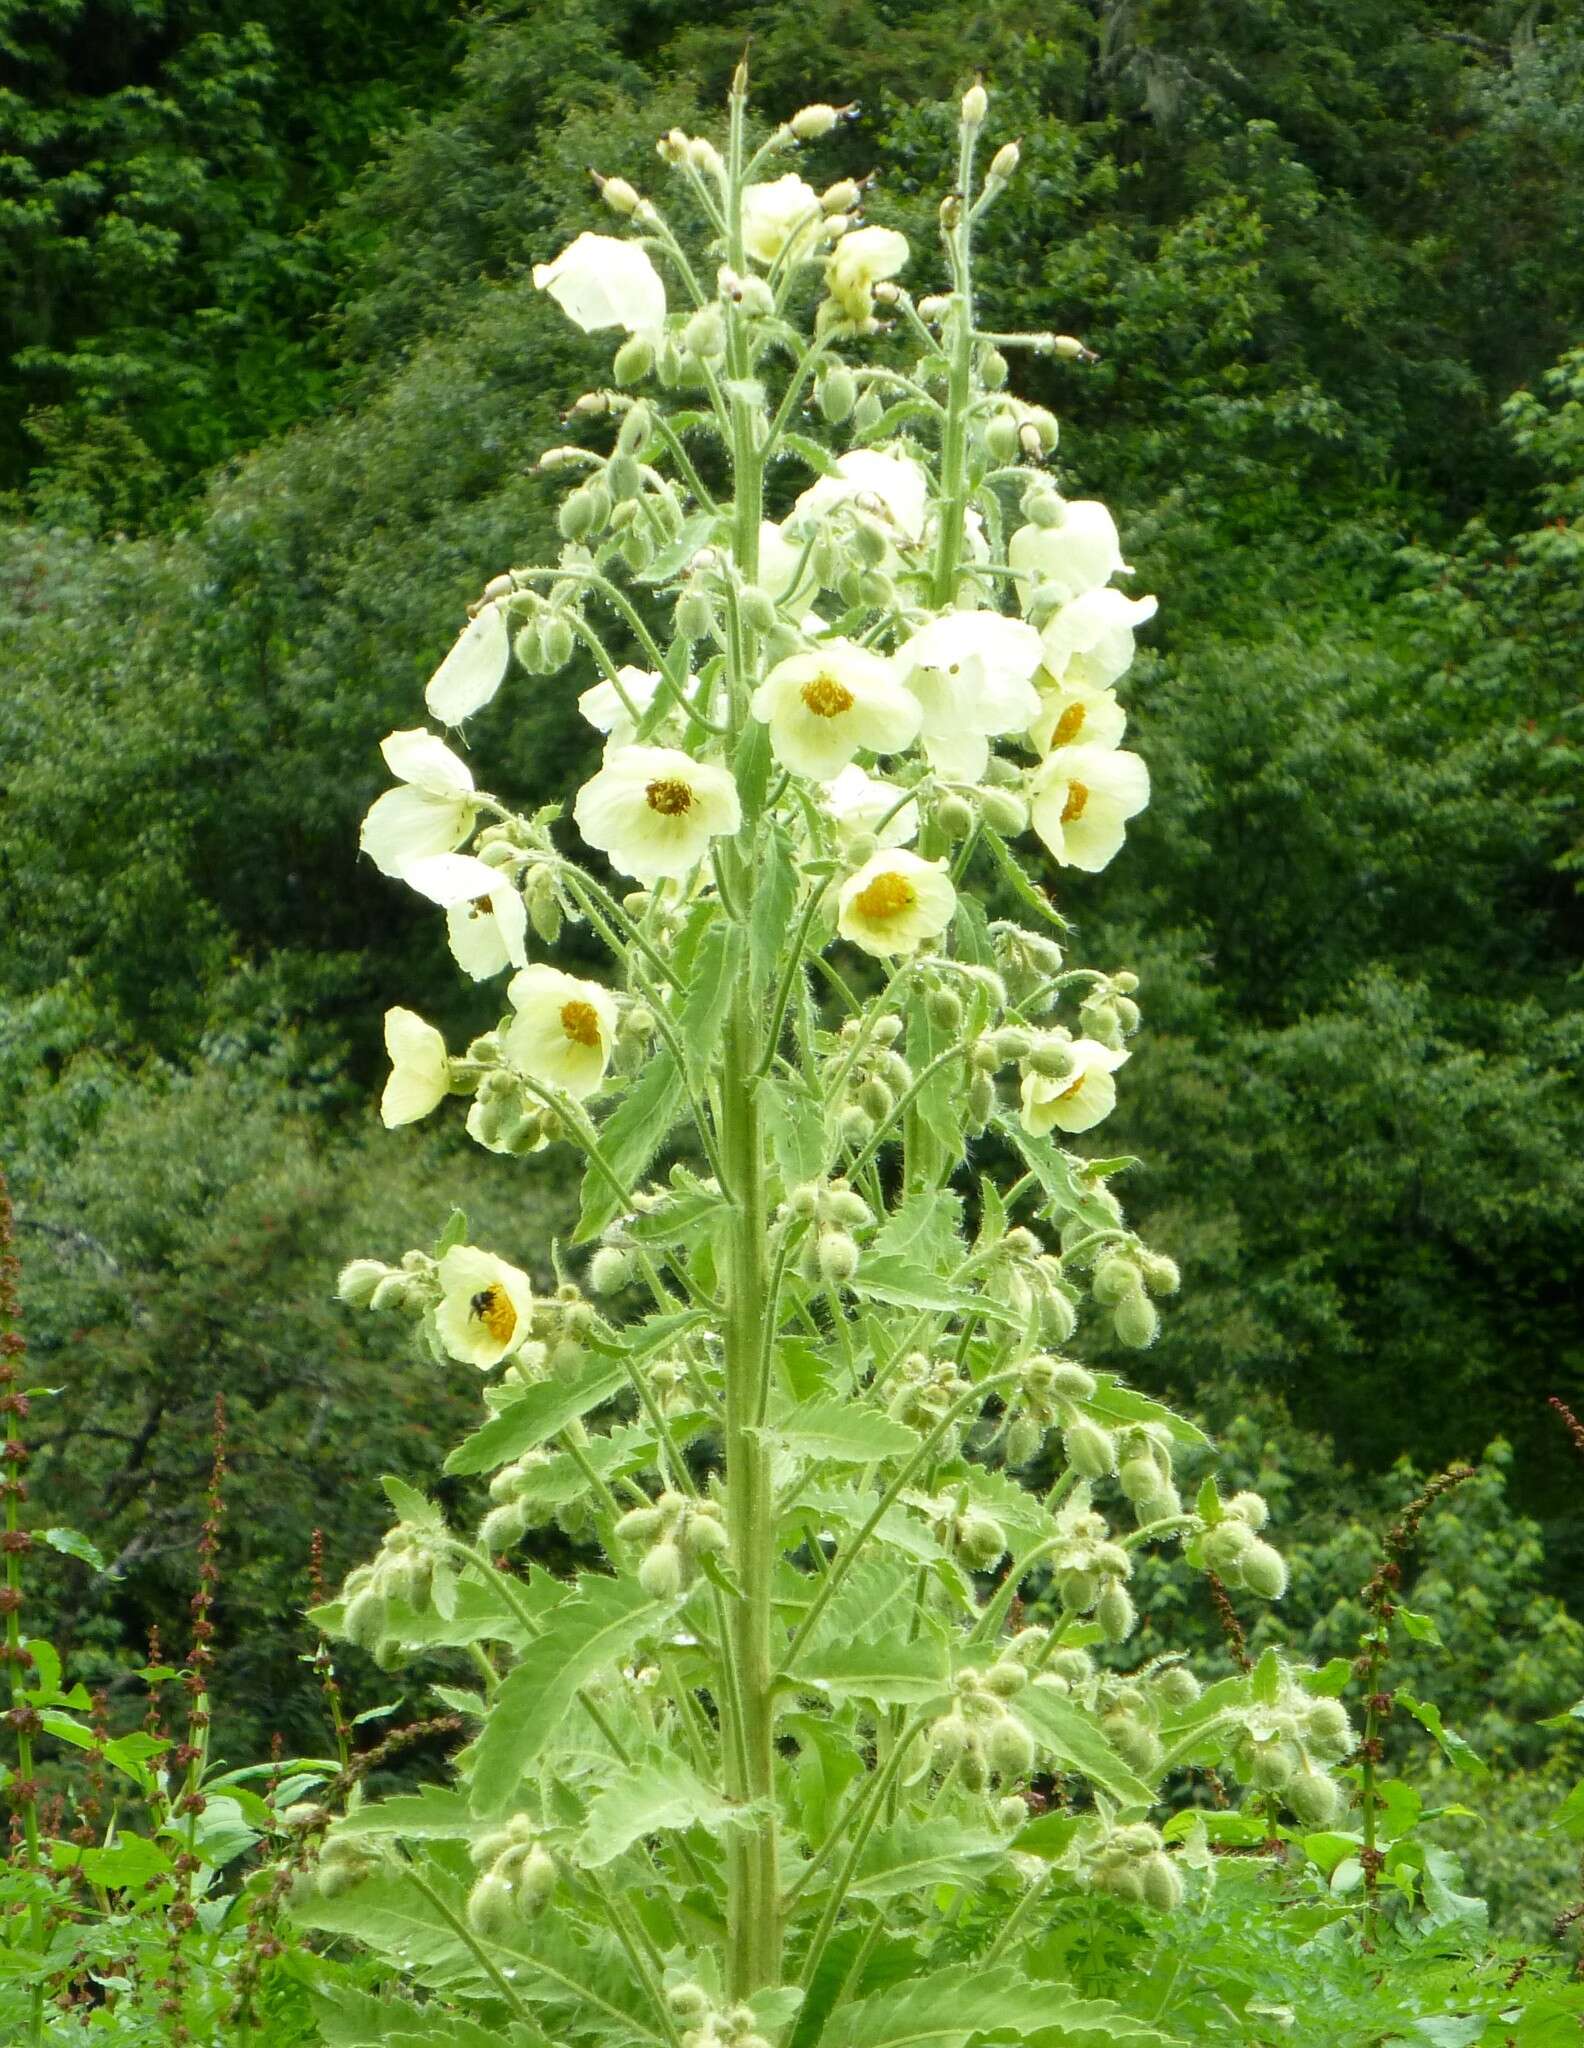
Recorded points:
(541, 1412)
(601, 1623)
(438, 1813)
(1457, 1752)
(834, 1431)
(660, 1794)
(912, 1855)
(887, 1671)
(1072, 1740)
(949, 2008)
(70, 1543)
(629, 1139)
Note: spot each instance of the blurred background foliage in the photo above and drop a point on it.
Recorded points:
(272, 381)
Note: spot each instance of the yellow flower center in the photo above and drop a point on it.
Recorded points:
(580, 1022)
(493, 1308)
(827, 698)
(1072, 1087)
(888, 895)
(1077, 797)
(670, 797)
(1068, 726)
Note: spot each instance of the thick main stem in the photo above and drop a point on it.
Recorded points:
(753, 1909)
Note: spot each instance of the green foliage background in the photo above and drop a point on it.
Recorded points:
(272, 381)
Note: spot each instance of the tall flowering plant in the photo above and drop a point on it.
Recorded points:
(779, 1762)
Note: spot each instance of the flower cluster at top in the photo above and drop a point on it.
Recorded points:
(933, 637)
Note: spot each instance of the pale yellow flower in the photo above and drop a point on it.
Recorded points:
(562, 1029)
(486, 1307)
(1076, 1101)
(895, 902)
(1073, 717)
(783, 217)
(1081, 799)
(420, 1075)
(654, 811)
(823, 706)
(433, 813)
(601, 281)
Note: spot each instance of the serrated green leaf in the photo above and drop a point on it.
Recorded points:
(1569, 1816)
(1419, 1627)
(913, 1855)
(543, 1411)
(694, 533)
(770, 915)
(1017, 881)
(629, 1139)
(925, 1229)
(1058, 1174)
(1074, 1742)
(795, 1123)
(949, 2008)
(599, 1624)
(1116, 1404)
(656, 1795)
(438, 1813)
(905, 1284)
(836, 1431)
(410, 1504)
(709, 967)
(1266, 1679)
(889, 1671)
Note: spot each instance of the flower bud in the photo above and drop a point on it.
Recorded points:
(705, 335)
(610, 1270)
(1225, 1547)
(503, 1526)
(623, 476)
(1115, 1612)
(981, 1098)
(1051, 1057)
(578, 515)
(1011, 1043)
(364, 1620)
(1315, 1799)
(1176, 1686)
(634, 360)
(1072, 1382)
(1071, 350)
(704, 156)
(1078, 1589)
(490, 1910)
(1249, 1508)
(993, 369)
(358, 1283)
(1001, 436)
(975, 105)
(660, 1572)
(617, 194)
(1274, 1765)
(1327, 1729)
(1139, 1477)
(695, 615)
(837, 393)
(687, 2001)
(757, 607)
(1264, 1570)
(1023, 1439)
(536, 1881)
(808, 124)
(1136, 1320)
(943, 1007)
(1091, 1450)
(556, 643)
(1004, 1681)
(1009, 1748)
(1163, 1885)
(876, 1099)
(1161, 1274)
(704, 1536)
(949, 1739)
(867, 413)
(838, 1257)
(1004, 812)
(1003, 165)
(980, 1539)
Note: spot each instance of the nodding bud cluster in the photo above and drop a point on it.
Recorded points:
(1285, 1745)
(1029, 963)
(676, 1533)
(1092, 1571)
(1015, 431)
(515, 1511)
(1122, 1280)
(1029, 1280)
(517, 1878)
(981, 1737)
(833, 1211)
(411, 1570)
(1233, 1549)
(1144, 1473)
(1045, 1396)
(413, 1286)
(973, 1536)
(344, 1861)
(926, 1392)
(1108, 1013)
(706, 2025)
(876, 1080)
(1131, 1863)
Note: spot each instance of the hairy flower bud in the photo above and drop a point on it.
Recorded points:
(1264, 1570)
(633, 360)
(980, 1539)
(1091, 1450)
(1136, 1320)
(975, 105)
(610, 1270)
(809, 123)
(1176, 1686)
(838, 1257)
(1163, 1885)
(837, 394)
(1315, 1799)
(1115, 1612)
(660, 1572)
(1003, 165)
(359, 1282)
(1009, 1748)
